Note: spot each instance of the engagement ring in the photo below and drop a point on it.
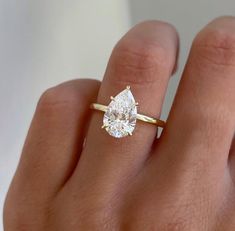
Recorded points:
(120, 115)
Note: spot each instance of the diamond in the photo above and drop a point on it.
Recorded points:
(120, 118)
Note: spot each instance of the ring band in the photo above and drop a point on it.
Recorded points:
(144, 118)
(121, 114)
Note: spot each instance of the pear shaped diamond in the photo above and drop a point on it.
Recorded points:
(120, 118)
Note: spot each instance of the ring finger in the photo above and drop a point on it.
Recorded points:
(144, 59)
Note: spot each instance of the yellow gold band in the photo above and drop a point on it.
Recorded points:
(144, 118)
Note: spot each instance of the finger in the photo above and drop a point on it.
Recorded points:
(144, 59)
(55, 139)
(201, 124)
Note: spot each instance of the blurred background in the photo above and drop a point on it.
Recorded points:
(43, 43)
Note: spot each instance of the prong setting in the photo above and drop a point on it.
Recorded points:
(104, 126)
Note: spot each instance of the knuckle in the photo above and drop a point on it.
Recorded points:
(137, 62)
(216, 46)
(60, 98)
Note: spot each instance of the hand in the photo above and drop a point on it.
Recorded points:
(182, 181)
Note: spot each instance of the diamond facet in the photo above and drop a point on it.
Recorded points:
(120, 118)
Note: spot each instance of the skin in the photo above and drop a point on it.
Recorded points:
(184, 180)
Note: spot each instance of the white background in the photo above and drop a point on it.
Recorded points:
(46, 42)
